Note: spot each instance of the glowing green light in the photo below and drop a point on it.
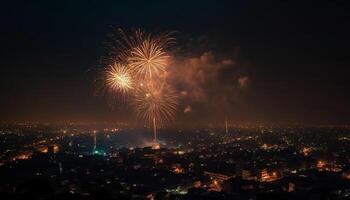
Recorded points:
(99, 152)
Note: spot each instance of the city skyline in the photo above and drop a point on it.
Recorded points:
(174, 100)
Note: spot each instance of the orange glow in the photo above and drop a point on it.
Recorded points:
(346, 175)
(56, 148)
(43, 149)
(178, 170)
(156, 146)
(215, 186)
(265, 176)
(321, 164)
(264, 146)
(22, 156)
(306, 151)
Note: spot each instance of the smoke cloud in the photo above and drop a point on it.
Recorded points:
(208, 82)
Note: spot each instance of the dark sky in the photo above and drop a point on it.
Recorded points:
(297, 54)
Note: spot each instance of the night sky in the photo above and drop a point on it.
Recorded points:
(292, 58)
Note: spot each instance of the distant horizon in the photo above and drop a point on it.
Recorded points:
(218, 125)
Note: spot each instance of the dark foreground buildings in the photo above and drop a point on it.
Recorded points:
(246, 163)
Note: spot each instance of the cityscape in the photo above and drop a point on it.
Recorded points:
(74, 161)
(174, 100)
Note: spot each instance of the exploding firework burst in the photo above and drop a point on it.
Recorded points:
(149, 59)
(145, 54)
(155, 102)
(141, 75)
(119, 78)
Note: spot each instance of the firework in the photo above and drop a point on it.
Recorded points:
(142, 74)
(122, 43)
(119, 79)
(148, 59)
(155, 103)
(145, 54)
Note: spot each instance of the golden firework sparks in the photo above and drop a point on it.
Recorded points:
(142, 76)
(145, 54)
(156, 101)
(149, 59)
(118, 78)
